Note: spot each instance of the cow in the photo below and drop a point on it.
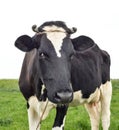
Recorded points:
(61, 71)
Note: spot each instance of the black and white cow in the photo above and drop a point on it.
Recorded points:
(65, 71)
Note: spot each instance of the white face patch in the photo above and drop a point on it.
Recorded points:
(55, 35)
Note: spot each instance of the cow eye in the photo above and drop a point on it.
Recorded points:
(43, 55)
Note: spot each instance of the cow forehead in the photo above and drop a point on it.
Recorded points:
(55, 35)
(56, 39)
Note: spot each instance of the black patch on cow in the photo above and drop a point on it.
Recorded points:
(60, 114)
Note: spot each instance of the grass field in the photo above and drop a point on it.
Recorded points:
(13, 112)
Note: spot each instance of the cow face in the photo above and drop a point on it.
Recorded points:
(55, 68)
(54, 54)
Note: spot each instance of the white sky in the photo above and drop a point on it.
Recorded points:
(98, 19)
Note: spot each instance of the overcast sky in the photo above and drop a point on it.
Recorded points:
(98, 19)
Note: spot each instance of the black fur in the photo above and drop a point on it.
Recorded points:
(60, 114)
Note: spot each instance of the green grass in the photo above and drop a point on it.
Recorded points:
(13, 112)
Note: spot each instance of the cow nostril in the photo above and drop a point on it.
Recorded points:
(57, 97)
(63, 97)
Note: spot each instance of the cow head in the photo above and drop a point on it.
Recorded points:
(54, 53)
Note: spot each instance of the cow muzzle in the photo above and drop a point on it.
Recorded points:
(62, 97)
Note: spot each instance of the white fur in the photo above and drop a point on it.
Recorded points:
(53, 28)
(102, 107)
(43, 87)
(77, 100)
(35, 111)
(94, 110)
(55, 35)
(106, 94)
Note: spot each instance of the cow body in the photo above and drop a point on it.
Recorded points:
(67, 72)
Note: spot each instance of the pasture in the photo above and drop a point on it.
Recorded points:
(13, 112)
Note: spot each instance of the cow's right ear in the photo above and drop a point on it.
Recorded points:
(25, 43)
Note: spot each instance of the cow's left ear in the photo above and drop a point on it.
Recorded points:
(25, 43)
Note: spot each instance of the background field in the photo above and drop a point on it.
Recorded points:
(13, 112)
